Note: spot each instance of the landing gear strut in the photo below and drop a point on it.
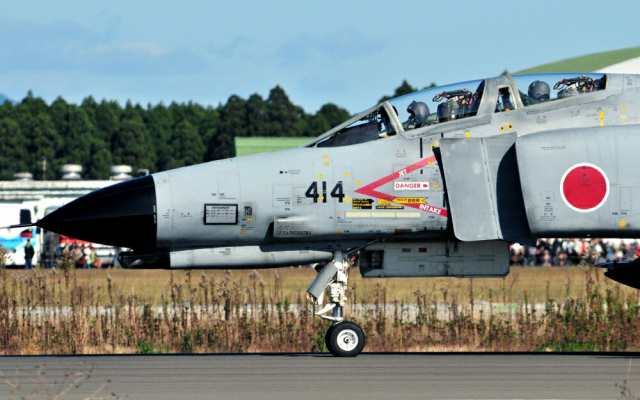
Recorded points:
(343, 338)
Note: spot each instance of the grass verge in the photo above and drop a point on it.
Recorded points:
(87, 312)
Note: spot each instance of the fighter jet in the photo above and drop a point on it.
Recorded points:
(438, 182)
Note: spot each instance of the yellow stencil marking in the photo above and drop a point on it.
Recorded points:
(346, 174)
(326, 160)
(408, 214)
(383, 214)
(410, 200)
(507, 127)
(601, 118)
(622, 224)
(622, 111)
(467, 134)
(358, 214)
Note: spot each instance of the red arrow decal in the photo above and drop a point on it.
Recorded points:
(370, 189)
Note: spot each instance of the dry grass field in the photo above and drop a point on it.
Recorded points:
(537, 284)
(146, 311)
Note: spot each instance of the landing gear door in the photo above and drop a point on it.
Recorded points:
(483, 189)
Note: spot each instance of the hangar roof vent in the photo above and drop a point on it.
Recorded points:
(71, 172)
(23, 176)
(121, 172)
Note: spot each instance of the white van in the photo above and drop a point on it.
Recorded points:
(14, 240)
(26, 201)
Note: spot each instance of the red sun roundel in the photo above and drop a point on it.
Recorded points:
(584, 187)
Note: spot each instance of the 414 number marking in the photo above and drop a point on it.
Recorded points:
(312, 192)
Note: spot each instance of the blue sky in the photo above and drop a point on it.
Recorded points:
(347, 52)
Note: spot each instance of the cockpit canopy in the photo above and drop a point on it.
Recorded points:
(539, 88)
(372, 125)
(425, 107)
(441, 104)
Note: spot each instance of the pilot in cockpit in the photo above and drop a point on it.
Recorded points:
(538, 92)
(418, 115)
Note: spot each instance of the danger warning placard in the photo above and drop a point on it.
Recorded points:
(370, 189)
(410, 186)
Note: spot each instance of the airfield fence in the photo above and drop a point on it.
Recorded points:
(50, 312)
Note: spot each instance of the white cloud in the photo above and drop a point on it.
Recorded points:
(71, 47)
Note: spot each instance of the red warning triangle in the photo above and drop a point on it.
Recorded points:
(370, 189)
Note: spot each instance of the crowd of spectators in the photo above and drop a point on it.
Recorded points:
(82, 256)
(546, 252)
(566, 252)
(73, 254)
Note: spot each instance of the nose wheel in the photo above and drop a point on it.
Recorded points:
(345, 339)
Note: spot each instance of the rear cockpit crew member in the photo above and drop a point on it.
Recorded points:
(418, 115)
(538, 92)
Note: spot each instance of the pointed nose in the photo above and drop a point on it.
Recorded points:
(119, 215)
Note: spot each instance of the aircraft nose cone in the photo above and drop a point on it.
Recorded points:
(119, 215)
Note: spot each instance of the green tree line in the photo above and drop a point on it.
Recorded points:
(156, 137)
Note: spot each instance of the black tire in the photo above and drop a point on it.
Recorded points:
(346, 339)
(327, 337)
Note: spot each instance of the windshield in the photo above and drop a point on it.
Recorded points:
(428, 106)
(540, 88)
(372, 126)
(439, 104)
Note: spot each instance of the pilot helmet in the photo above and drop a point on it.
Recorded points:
(539, 90)
(447, 111)
(418, 113)
(568, 92)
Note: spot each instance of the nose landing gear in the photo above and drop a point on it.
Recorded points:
(343, 338)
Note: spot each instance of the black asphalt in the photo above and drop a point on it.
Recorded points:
(318, 376)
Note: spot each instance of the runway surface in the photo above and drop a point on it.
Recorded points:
(318, 376)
